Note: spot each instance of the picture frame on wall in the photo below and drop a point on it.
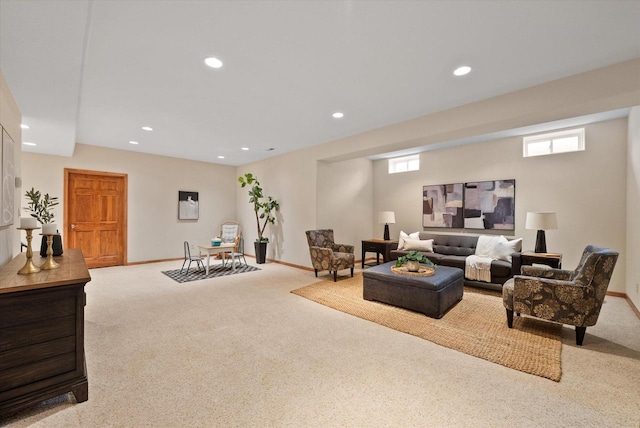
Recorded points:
(490, 205)
(7, 174)
(442, 205)
(188, 206)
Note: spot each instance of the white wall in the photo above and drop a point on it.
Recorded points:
(345, 201)
(633, 208)
(154, 231)
(586, 189)
(290, 179)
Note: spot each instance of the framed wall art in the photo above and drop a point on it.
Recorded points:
(490, 205)
(442, 205)
(188, 205)
(8, 174)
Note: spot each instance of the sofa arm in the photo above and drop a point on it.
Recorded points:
(516, 263)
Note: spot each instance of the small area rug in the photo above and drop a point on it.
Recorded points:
(477, 325)
(214, 271)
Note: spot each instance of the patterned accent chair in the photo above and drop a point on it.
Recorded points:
(562, 296)
(327, 255)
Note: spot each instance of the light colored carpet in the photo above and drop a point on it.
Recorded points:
(242, 351)
(477, 325)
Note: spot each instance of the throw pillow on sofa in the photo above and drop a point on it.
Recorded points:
(403, 236)
(425, 245)
(497, 247)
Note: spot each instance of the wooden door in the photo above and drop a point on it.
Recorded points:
(95, 216)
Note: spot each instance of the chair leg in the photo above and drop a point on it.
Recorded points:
(510, 318)
(335, 276)
(316, 272)
(351, 272)
(185, 260)
(580, 331)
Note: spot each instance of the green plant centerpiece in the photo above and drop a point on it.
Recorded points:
(40, 207)
(413, 259)
(264, 208)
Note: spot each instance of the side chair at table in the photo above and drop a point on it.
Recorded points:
(190, 258)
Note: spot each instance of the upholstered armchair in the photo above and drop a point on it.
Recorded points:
(327, 255)
(566, 297)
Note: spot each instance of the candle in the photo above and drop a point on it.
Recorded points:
(49, 229)
(28, 223)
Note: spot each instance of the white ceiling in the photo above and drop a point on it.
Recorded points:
(95, 72)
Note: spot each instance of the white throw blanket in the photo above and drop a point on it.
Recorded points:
(478, 268)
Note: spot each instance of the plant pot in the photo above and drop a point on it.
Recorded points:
(56, 246)
(261, 251)
(413, 266)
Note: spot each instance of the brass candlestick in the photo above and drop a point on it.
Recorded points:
(49, 263)
(29, 267)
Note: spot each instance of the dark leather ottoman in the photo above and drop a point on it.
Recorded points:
(430, 295)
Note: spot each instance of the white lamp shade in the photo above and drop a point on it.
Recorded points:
(542, 221)
(387, 217)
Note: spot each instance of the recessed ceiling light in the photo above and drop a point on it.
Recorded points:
(244, 148)
(213, 62)
(461, 71)
(133, 142)
(338, 115)
(29, 144)
(147, 128)
(220, 157)
(23, 126)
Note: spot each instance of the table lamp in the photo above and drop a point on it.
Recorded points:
(386, 217)
(541, 221)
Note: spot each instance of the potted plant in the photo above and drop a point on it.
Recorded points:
(413, 259)
(41, 208)
(263, 210)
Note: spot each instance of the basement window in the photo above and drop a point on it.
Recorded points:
(404, 164)
(571, 140)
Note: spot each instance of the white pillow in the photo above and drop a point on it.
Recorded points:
(486, 246)
(504, 250)
(403, 236)
(425, 245)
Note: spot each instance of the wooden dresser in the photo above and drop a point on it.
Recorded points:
(42, 332)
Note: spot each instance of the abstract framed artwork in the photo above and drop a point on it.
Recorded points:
(8, 173)
(442, 206)
(188, 208)
(490, 205)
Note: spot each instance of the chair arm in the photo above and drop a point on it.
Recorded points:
(342, 248)
(542, 272)
(555, 300)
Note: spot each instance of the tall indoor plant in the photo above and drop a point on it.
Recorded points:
(263, 206)
(40, 207)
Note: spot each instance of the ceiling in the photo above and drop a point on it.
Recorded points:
(96, 72)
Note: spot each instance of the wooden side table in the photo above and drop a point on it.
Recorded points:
(553, 260)
(378, 246)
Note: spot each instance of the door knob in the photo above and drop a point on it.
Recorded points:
(73, 226)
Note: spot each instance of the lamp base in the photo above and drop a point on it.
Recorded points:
(541, 242)
(386, 232)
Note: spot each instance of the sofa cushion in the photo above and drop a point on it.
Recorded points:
(500, 269)
(457, 245)
(454, 261)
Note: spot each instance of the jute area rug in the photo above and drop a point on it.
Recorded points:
(476, 325)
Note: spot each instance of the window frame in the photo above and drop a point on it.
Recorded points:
(530, 140)
(395, 163)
